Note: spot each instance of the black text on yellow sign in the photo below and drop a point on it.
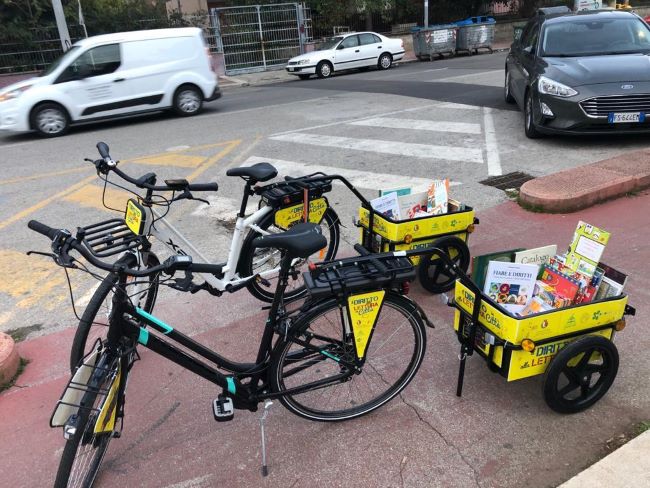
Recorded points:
(364, 310)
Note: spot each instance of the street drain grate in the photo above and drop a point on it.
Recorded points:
(510, 180)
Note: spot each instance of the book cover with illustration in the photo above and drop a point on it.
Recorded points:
(539, 255)
(387, 205)
(563, 285)
(480, 263)
(399, 191)
(413, 206)
(612, 282)
(586, 248)
(438, 196)
(510, 284)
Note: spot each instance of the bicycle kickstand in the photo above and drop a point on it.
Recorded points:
(267, 406)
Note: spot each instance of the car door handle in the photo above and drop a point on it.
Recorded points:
(378, 47)
(117, 80)
(356, 51)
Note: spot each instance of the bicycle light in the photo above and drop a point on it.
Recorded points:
(620, 325)
(408, 238)
(471, 228)
(528, 345)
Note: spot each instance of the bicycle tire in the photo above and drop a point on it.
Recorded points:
(322, 326)
(83, 474)
(272, 257)
(96, 313)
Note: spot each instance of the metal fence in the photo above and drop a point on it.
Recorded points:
(258, 37)
(36, 50)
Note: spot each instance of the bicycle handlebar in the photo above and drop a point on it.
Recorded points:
(62, 242)
(146, 182)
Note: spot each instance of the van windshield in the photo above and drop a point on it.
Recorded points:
(70, 53)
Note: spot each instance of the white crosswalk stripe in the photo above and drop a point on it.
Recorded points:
(417, 124)
(425, 151)
(360, 179)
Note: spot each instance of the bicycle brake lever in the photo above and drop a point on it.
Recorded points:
(183, 284)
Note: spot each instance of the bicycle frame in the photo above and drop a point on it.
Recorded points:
(167, 234)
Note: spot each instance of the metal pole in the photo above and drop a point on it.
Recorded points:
(426, 13)
(64, 35)
(259, 23)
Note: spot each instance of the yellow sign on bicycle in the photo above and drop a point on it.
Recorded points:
(364, 310)
(290, 215)
(134, 216)
(106, 418)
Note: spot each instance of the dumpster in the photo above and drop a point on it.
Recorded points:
(435, 40)
(475, 33)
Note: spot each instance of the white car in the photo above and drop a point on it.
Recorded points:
(114, 75)
(347, 51)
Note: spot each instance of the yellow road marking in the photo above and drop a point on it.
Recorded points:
(44, 175)
(173, 159)
(91, 196)
(230, 145)
(43, 285)
(210, 161)
(44, 203)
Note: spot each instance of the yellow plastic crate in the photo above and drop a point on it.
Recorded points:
(422, 228)
(538, 327)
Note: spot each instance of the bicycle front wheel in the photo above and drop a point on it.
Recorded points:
(394, 355)
(94, 321)
(84, 451)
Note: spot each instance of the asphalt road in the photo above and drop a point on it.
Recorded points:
(410, 124)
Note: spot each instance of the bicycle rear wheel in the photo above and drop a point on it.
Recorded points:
(94, 321)
(254, 261)
(85, 450)
(393, 357)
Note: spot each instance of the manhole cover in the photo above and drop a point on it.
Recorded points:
(510, 180)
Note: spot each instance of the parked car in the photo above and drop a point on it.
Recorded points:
(347, 51)
(113, 75)
(579, 73)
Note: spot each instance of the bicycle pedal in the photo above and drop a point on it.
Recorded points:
(223, 408)
(264, 282)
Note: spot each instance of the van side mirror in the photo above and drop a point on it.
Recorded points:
(528, 50)
(83, 72)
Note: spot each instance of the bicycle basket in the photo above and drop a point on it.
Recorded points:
(342, 277)
(287, 193)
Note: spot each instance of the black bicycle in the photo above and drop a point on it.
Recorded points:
(354, 344)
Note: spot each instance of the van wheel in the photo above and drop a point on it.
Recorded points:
(50, 120)
(188, 100)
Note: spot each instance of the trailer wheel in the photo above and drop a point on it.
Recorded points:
(434, 275)
(580, 374)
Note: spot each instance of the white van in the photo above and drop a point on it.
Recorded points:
(114, 75)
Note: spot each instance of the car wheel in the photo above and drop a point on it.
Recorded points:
(506, 89)
(385, 61)
(188, 100)
(304, 77)
(324, 69)
(50, 120)
(529, 124)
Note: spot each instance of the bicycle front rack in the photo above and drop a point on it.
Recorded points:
(109, 238)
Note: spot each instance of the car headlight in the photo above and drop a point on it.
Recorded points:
(15, 93)
(303, 61)
(551, 87)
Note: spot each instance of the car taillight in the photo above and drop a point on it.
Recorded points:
(210, 60)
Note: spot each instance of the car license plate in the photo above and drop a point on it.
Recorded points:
(291, 69)
(620, 118)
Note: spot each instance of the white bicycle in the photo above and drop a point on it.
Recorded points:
(282, 204)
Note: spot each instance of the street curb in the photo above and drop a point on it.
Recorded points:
(9, 359)
(585, 186)
(626, 466)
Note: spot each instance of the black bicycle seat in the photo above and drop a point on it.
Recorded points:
(255, 173)
(301, 241)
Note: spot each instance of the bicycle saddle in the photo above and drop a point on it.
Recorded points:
(255, 173)
(301, 241)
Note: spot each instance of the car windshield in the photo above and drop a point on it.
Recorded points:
(70, 53)
(329, 43)
(596, 37)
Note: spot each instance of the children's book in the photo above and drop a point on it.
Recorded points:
(413, 206)
(387, 205)
(612, 282)
(563, 285)
(586, 248)
(510, 284)
(536, 305)
(399, 191)
(438, 197)
(480, 264)
(539, 255)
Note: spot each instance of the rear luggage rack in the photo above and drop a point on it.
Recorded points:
(286, 193)
(358, 273)
(109, 238)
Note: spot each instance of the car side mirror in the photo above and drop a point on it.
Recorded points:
(528, 50)
(83, 72)
(340, 46)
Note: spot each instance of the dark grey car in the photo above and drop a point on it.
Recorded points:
(583, 73)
